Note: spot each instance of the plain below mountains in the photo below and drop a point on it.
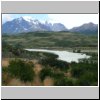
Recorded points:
(23, 25)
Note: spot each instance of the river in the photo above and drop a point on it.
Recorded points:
(63, 55)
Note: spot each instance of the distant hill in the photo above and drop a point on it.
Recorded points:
(88, 29)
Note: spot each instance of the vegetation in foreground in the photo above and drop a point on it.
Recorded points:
(24, 70)
(84, 73)
(81, 74)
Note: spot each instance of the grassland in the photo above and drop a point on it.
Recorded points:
(52, 40)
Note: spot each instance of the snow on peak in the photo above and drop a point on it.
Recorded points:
(28, 18)
(36, 21)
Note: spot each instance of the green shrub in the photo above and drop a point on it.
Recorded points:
(87, 79)
(77, 70)
(86, 73)
(21, 70)
(62, 65)
(58, 75)
(60, 82)
(79, 51)
(64, 82)
(5, 76)
(4, 69)
(45, 72)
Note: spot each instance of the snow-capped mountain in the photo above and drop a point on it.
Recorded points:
(28, 24)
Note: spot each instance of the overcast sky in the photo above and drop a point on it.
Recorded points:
(69, 20)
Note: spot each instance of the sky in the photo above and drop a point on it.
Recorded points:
(69, 20)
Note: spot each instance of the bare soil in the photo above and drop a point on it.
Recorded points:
(5, 62)
(48, 81)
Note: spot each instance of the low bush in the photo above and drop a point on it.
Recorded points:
(22, 70)
(45, 72)
(62, 65)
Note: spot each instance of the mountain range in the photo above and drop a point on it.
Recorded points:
(21, 25)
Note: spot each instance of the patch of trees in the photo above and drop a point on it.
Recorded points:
(17, 51)
(45, 72)
(85, 72)
(88, 79)
(59, 78)
(11, 50)
(77, 51)
(55, 63)
(50, 56)
(21, 69)
(5, 76)
(94, 57)
(48, 59)
(64, 81)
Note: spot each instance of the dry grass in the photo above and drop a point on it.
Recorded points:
(9, 81)
(37, 68)
(5, 62)
(48, 81)
(68, 74)
(17, 82)
(37, 80)
(5, 79)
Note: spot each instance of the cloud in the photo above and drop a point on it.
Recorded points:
(72, 20)
(6, 17)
